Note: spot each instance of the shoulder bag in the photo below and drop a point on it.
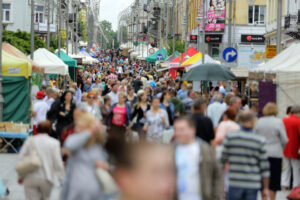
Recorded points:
(30, 162)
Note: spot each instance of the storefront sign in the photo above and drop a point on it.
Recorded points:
(216, 16)
(253, 39)
(213, 38)
(270, 51)
(251, 55)
(194, 39)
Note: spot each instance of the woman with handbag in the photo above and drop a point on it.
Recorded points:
(86, 155)
(139, 112)
(40, 164)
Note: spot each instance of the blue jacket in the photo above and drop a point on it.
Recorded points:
(172, 108)
(128, 114)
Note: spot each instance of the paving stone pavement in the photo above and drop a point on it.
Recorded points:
(9, 177)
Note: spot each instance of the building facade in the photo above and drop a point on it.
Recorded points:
(248, 30)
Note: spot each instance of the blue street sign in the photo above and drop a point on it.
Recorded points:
(230, 54)
(159, 57)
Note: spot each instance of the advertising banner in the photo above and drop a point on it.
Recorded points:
(216, 16)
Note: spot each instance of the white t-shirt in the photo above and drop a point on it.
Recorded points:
(49, 102)
(188, 180)
(40, 107)
(114, 97)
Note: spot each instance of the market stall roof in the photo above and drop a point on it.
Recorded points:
(16, 52)
(14, 66)
(287, 61)
(190, 52)
(51, 63)
(197, 59)
(152, 58)
(172, 57)
(207, 59)
(67, 59)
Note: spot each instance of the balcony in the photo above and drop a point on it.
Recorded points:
(42, 27)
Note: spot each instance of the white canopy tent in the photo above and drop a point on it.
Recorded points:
(286, 67)
(51, 63)
(85, 58)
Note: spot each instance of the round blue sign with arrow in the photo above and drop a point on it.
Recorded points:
(230, 54)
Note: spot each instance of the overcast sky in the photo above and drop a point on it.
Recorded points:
(110, 9)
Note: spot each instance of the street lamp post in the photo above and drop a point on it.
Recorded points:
(279, 16)
(1, 96)
(32, 30)
(174, 24)
(48, 25)
(201, 29)
(186, 28)
(59, 27)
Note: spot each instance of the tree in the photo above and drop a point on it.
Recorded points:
(83, 27)
(21, 40)
(124, 34)
(179, 46)
(109, 33)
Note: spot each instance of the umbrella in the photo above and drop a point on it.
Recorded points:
(209, 72)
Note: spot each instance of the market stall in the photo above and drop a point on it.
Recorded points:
(284, 71)
(16, 73)
(72, 63)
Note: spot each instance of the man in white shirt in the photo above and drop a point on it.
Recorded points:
(216, 110)
(49, 97)
(198, 174)
(114, 95)
(40, 109)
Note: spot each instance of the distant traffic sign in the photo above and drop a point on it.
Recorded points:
(151, 51)
(270, 51)
(159, 57)
(230, 54)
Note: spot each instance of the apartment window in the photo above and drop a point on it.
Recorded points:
(39, 14)
(6, 12)
(256, 14)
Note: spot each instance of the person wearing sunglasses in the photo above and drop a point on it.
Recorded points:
(91, 106)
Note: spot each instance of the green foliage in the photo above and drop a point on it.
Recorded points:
(21, 40)
(110, 34)
(83, 27)
(179, 46)
(54, 43)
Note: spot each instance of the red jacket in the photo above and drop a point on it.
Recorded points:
(292, 126)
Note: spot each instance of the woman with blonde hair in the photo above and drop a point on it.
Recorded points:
(273, 129)
(86, 154)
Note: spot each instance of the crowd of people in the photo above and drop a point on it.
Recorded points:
(158, 138)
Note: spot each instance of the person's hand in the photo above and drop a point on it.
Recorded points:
(102, 164)
(62, 113)
(20, 181)
(95, 128)
(145, 128)
(265, 194)
(163, 119)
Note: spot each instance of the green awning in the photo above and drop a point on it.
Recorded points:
(152, 58)
(67, 59)
(16, 99)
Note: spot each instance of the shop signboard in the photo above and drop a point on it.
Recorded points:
(270, 51)
(251, 56)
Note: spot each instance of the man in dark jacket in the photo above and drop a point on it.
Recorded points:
(204, 125)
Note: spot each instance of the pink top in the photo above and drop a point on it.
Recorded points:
(224, 128)
(119, 116)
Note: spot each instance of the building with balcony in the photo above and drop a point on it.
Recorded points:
(290, 22)
(17, 16)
